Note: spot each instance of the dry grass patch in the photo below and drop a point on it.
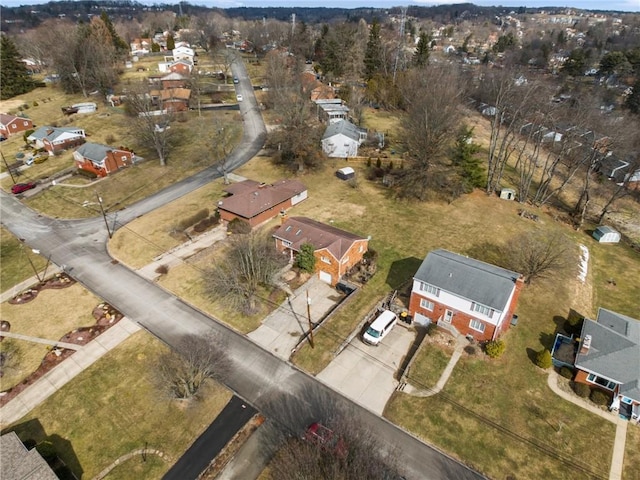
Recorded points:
(14, 261)
(51, 315)
(631, 469)
(113, 408)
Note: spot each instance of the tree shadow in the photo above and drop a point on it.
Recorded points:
(32, 434)
(487, 252)
(402, 270)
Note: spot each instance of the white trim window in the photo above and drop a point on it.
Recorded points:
(478, 307)
(602, 382)
(345, 261)
(476, 325)
(286, 243)
(425, 287)
(325, 259)
(426, 304)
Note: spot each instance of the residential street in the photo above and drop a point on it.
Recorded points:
(280, 391)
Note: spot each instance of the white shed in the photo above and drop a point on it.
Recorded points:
(508, 194)
(604, 234)
(345, 173)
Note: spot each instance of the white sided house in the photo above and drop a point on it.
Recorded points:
(56, 139)
(342, 139)
(466, 295)
(183, 53)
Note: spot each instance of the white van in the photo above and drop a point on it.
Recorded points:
(380, 327)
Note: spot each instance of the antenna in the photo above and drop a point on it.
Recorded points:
(401, 43)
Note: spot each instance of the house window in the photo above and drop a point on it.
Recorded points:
(425, 287)
(325, 259)
(285, 243)
(288, 228)
(123, 158)
(476, 307)
(426, 304)
(603, 382)
(345, 261)
(361, 249)
(476, 325)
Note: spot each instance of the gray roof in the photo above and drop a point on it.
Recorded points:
(468, 278)
(604, 229)
(95, 152)
(614, 352)
(51, 132)
(344, 127)
(21, 464)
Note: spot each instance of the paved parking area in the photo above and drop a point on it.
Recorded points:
(366, 374)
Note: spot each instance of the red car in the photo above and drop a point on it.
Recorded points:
(324, 438)
(22, 187)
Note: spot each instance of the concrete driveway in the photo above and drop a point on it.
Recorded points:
(283, 329)
(366, 374)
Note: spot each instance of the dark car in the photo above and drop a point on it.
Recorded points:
(22, 187)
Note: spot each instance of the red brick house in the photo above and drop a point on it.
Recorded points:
(10, 125)
(256, 202)
(102, 159)
(182, 67)
(174, 80)
(466, 295)
(336, 251)
(175, 99)
(57, 139)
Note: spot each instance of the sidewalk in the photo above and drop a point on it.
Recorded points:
(28, 283)
(56, 378)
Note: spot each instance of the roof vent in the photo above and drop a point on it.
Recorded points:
(586, 345)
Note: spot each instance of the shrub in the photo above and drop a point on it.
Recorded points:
(193, 219)
(162, 269)
(368, 161)
(35, 104)
(470, 350)
(391, 165)
(573, 324)
(205, 223)
(599, 397)
(431, 328)
(110, 139)
(85, 173)
(582, 389)
(306, 260)
(378, 163)
(47, 450)
(543, 359)
(566, 372)
(239, 226)
(495, 348)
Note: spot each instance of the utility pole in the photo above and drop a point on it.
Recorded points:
(104, 215)
(44, 274)
(401, 43)
(33, 267)
(310, 323)
(8, 169)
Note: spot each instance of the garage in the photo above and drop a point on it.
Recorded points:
(325, 277)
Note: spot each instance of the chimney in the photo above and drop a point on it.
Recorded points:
(283, 217)
(586, 345)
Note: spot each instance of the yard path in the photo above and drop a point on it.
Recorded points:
(44, 341)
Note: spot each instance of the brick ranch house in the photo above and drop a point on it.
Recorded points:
(102, 159)
(57, 139)
(336, 251)
(255, 202)
(606, 356)
(10, 125)
(469, 296)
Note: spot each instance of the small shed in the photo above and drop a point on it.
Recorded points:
(604, 234)
(345, 173)
(508, 194)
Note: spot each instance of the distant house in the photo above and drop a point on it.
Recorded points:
(102, 159)
(469, 296)
(57, 139)
(20, 463)
(172, 99)
(183, 53)
(336, 251)
(10, 124)
(140, 46)
(608, 358)
(182, 66)
(174, 80)
(620, 171)
(342, 139)
(256, 202)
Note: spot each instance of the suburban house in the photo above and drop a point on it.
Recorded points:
(342, 139)
(20, 462)
(174, 80)
(474, 298)
(172, 99)
(182, 66)
(102, 159)
(140, 46)
(10, 124)
(336, 251)
(256, 202)
(606, 356)
(57, 139)
(620, 171)
(183, 53)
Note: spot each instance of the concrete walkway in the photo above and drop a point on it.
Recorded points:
(43, 341)
(619, 444)
(57, 377)
(28, 283)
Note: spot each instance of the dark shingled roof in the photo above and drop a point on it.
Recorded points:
(253, 198)
(344, 127)
(299, 230)
(468, 278)
(614, 352)
(22, 464)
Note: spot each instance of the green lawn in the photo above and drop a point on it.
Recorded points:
(113, 408)
(428, 364)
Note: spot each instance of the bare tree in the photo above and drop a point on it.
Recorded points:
(251, 263)
(153, 125)
(181, 372)
(432, 96)
(222, 144)
(538, 254)
(10, 356)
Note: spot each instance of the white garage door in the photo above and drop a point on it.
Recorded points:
(421, 319)
(325, 277)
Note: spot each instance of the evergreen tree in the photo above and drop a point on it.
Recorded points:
(306, 260)
(576, 63)
(464, 157)
(171, 43)
(633, 100)
(421, 55)
(119, 44)
(373, 53)
(14, 77)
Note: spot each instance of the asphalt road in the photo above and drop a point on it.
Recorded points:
(202, 452)
(288, 397)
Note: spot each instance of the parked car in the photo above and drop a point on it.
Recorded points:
(380, 327)
(22, 187)
(235, 80)
(239, 97)
(324, 438)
